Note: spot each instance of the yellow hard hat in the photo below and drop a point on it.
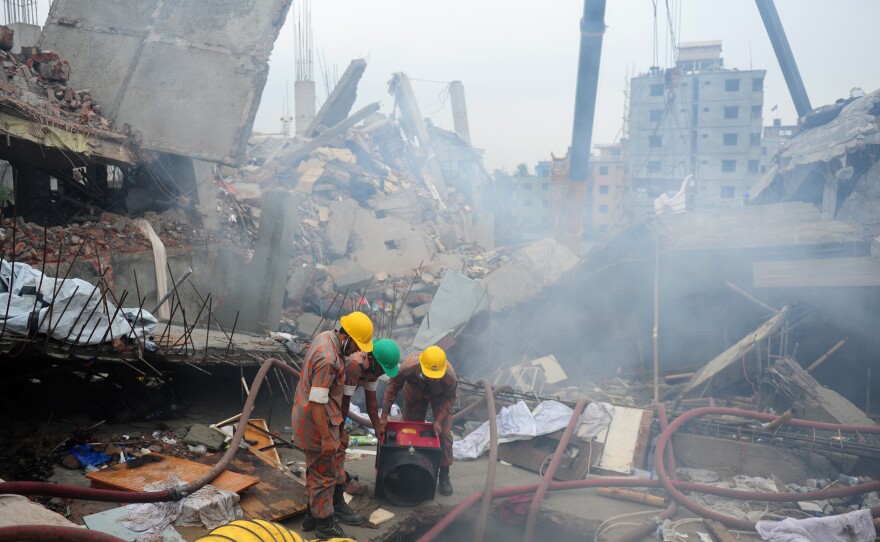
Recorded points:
(433, 362)
(359, 327)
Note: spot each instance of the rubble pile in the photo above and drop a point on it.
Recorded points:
(367, 223)
(97, 239)
(38, 80)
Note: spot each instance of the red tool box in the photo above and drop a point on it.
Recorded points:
(407, 463)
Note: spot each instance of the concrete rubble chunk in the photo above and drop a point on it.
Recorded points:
(308, 322)
(341, 220)
(204, 435)
(298, 283)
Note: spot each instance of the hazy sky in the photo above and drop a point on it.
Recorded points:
(518, 59)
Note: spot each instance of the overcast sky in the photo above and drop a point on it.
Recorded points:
(518, 59)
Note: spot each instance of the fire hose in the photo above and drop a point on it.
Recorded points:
(483, 515)
(39, 532)
(673, 487)
(646, 528)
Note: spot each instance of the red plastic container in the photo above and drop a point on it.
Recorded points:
(419, 434)
(407, 463)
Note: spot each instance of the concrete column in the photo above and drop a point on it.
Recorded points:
(414, 123)
(304, 104)
(260, 291)
(26, 35)
(207, 191)
(459, 111)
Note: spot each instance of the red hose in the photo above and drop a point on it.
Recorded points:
(51, 533)
(447, 520)
(736, 523)
(483, 515)
(647, 527)
(535, 505)
(58, 490)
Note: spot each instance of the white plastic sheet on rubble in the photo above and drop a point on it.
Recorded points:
(78, 313)
(851, 527)
(209, 507)
(676, 203)
(516, 422)
(457, 301)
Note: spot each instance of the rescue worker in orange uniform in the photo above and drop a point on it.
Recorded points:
(362, 370)
(427, 378)
(317, 422)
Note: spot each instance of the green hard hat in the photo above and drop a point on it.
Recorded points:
(387, 354)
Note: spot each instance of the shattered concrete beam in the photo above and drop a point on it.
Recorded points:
(328, 135)
(715, 374)
(338, 105)
(51, 132)
(459, 111)
(412, 119)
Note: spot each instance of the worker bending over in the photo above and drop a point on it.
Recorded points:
(426, 378)
(317, 422)
(362, 370)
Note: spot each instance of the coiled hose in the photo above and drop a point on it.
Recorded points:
(674, 486)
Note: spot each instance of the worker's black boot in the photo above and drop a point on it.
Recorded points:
(444, 486)
(309, 522)
(342, 511)
(329, 528)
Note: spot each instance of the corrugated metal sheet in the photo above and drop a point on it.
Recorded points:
(853, 128)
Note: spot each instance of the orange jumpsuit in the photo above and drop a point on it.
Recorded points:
(418, 393)
(321, 385)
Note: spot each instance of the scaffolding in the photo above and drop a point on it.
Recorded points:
(20, 11)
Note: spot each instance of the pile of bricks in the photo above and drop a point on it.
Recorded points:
(39, 79)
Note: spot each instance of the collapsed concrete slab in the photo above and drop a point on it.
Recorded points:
(457, 301)
(812, 400)
(388, 244)
(338, 104)
(724, 369)
(339, 226)
(208, 60)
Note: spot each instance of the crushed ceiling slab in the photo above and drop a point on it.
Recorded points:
(753, 227)
(717, 373)
(167, 68)
(457, 301)
(824, 272)
(854, 128)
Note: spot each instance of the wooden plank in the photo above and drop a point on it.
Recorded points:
(262, 442)
(276, 497)
(533, 455)
(720, 532)
(622, 440)
(138, 473)
(642, 440)
(254, 439)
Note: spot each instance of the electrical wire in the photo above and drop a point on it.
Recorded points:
(612, 519)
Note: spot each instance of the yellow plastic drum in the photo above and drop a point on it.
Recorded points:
(251, 531)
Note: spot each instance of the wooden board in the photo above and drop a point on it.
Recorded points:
(532, 455)
(149, 469)
(264, 442)
(626, 440)
(277, 497)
